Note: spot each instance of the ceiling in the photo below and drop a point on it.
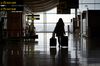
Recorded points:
(40, 5)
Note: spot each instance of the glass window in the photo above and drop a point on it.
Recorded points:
(49, 19)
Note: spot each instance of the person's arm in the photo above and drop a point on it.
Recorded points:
(54, 32)
(64, 30)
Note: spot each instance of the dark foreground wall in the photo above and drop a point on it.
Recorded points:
(94, 28)
(94, 23)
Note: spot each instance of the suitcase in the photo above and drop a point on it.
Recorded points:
(53, 41)
(64, 41)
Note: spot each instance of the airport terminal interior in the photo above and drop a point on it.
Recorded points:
(27, 26)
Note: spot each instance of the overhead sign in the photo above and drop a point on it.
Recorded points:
(11, 2)
(11, 5)
(72, 3)
(64, 6)
(33, 17)
(11, 8)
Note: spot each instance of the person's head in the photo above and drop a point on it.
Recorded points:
(60, 20)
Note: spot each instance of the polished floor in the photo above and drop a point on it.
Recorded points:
(39, 53)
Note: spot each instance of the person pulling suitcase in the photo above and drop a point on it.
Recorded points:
(59, 30)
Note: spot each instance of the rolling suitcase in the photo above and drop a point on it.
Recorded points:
(64, 41)
(53, 41)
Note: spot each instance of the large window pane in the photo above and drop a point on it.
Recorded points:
(49, 19)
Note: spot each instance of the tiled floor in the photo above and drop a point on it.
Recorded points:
(39, 53)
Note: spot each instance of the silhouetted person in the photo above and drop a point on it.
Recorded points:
(59, 30)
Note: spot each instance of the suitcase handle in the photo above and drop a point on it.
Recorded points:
(53, 35)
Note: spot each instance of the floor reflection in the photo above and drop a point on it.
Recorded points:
(62, 58)
(39, 53)
(13, 54)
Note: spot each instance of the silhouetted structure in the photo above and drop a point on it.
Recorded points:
(1, 40)
(59, 30)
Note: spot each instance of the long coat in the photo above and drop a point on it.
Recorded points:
(59, 29)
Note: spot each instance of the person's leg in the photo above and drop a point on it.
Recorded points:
(59, 40)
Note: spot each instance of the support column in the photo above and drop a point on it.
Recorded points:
(14, 24)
